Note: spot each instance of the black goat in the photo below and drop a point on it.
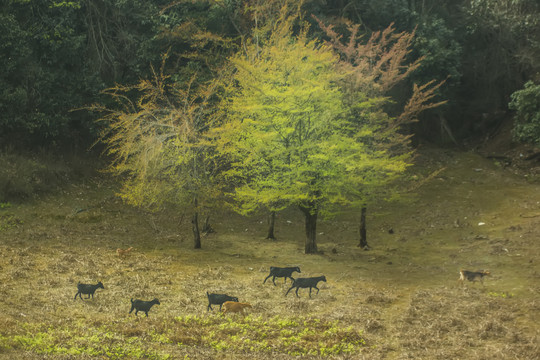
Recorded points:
(284, 272)
(219, 299)
(306, 283)
(88, 289)
(141, 305)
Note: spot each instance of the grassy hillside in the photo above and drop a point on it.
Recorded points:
(400, 300)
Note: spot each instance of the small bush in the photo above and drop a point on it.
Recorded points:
(526, 103)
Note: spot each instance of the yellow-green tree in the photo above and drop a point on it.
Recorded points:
(290, 134)
(155, 138)
(375, 66)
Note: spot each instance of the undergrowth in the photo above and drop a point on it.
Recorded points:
(25, 176)
(150, 339)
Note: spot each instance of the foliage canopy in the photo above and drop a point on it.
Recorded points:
(290, 132)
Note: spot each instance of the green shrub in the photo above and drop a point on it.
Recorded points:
(526, 103)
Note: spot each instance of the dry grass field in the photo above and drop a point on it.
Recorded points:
(400, 300)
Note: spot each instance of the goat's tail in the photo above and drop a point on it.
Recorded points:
(131, 300)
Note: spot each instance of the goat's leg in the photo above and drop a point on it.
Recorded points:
(317, 290)
(310, 291)
(297, 292)
(209, 307)
(267, 278)
(292, 287)
(75, 298)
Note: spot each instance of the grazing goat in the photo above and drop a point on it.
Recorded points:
(306, 283)
(285, 272)
(122, 252)
(141, 305)
(234, 306)
(473, 275)
(219, 299)
(88, 289)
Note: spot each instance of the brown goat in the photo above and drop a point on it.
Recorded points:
(473, 275)
(122, 252)
(235, 307)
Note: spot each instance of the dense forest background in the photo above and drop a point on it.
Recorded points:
(58, 56)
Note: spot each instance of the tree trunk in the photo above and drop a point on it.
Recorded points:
(271, 222)
(207, 228)
(310, 212)
(196, 233)
(363, 234)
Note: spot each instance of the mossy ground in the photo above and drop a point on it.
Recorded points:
(400, 300)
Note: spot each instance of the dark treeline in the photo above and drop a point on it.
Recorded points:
(57, 56)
